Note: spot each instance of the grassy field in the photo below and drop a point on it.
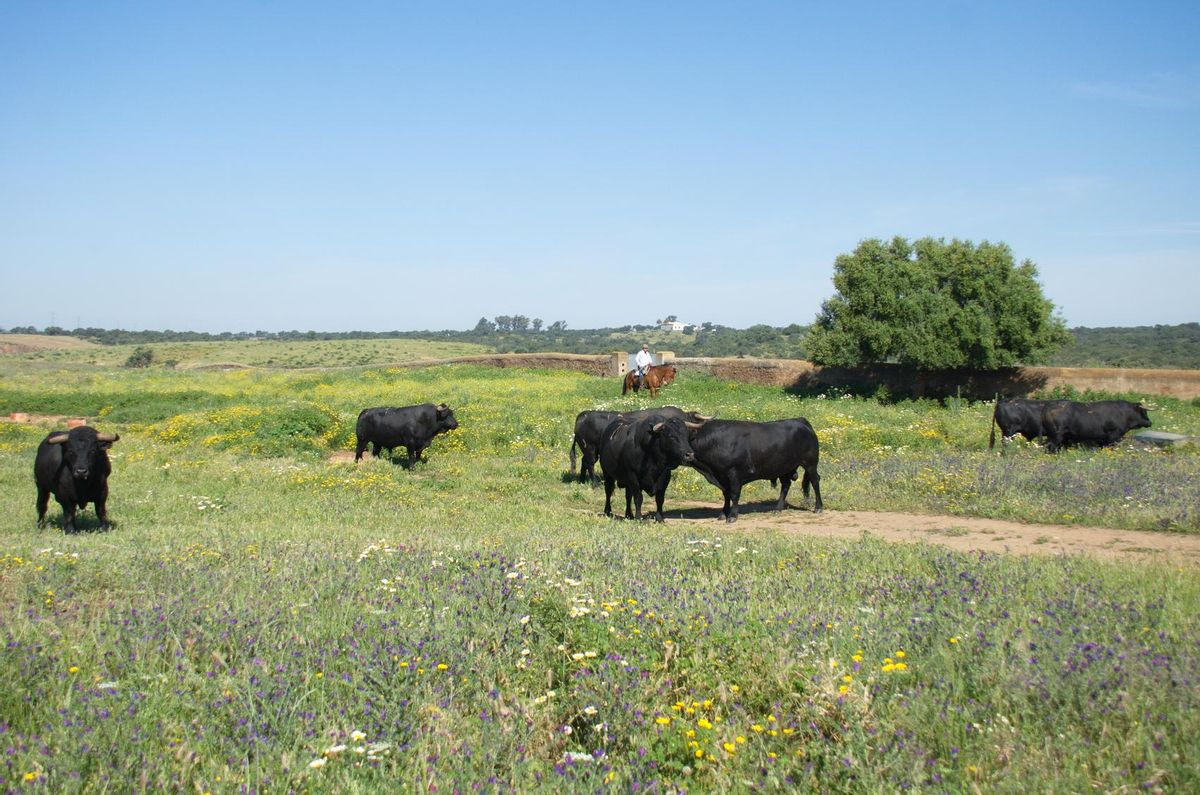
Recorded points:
(68, 351)
(266, 616)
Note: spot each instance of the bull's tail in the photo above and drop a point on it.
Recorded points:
(625, 385)
(574, 440)
(992, 440)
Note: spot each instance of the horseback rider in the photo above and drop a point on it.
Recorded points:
(642, 361)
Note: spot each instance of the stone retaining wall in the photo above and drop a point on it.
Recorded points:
(802, 376)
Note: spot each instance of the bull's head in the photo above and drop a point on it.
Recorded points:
(445, 417)
(82, 448)
(673, 438)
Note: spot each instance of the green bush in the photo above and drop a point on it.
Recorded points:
(141, 357)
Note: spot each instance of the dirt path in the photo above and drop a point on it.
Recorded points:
(962, 533)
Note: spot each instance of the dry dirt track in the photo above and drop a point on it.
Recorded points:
(957, 532)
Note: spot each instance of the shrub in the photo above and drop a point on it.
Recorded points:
(141, 357)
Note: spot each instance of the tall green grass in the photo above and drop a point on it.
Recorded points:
(267, 616)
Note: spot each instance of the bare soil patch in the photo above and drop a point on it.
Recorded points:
(34, 343)
(965, 534)
(42, 419)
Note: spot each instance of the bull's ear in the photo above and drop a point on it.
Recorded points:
(57, 438)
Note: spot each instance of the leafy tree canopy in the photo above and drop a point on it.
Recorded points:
(935, 305)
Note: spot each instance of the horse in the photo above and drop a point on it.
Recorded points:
(657, 376)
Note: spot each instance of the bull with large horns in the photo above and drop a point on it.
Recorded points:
(73, 466)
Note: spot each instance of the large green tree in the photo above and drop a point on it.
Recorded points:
(935, 305)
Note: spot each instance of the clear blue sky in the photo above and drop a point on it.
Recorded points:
(238, 166)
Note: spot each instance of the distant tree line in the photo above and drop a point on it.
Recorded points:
(1175, 346)
(1172, 347)
(506, 334)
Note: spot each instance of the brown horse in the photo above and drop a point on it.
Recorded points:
(657, 376)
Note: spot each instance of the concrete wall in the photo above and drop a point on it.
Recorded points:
(600, 365)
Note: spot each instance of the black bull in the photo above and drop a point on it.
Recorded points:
(74, 467)
(732, 453)
(589, 425)
(640, 454)
(1067, 422)
(411, 427)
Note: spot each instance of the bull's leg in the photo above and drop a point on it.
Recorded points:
(101, 506)
(811, 476)
(43, 500)
(785, 483)
(633, 494)
(735, 496)
(68, 509)
(660, 494)
(376, 449)
(609, 485)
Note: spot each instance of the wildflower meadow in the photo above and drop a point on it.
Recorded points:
(266, 615)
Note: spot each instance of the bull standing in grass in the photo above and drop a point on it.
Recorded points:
(73, 466)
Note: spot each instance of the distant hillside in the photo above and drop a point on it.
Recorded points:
(1172, 347)
(37, 343)
(1156, 347)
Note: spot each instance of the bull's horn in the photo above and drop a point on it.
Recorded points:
(57, 438)
(107, 437)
